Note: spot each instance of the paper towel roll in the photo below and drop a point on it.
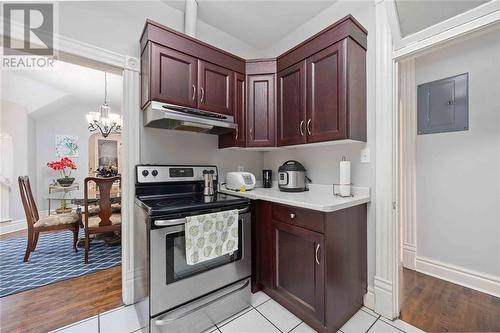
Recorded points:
(345, 178)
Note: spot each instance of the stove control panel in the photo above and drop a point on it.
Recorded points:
(172, 173)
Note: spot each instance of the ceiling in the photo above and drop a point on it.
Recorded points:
(47, 90)
(416, 15)
(257, 23)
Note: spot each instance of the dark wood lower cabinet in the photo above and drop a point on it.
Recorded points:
(321, 277)
(296, 247)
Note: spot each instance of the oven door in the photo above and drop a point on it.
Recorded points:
(174, 282)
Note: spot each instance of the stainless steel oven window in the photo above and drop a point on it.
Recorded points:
(176, 266)
(165, 296)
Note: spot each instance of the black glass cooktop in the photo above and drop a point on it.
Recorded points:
(191, 202)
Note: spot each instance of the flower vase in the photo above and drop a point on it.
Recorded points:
(65, 181)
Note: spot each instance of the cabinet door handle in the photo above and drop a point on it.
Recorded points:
(309, 126)
(236, 135)
(292, 215)
(202, 94)
(251, 133)
(316, 255)
(194, 92)
(301, 128)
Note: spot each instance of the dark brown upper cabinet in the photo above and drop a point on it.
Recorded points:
(240, 108)
(326, 94)
(173, 77)
(335, 94)
(238, 138)
(314, 92)
(261, 111)
(299, 277)
(215, 85)
(292, 105)
(182, 70)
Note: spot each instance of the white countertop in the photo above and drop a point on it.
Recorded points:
(319, 197)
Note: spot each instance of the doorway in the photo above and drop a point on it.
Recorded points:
(449, 192)
(44, 114)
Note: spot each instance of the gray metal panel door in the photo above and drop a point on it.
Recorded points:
(442, 105)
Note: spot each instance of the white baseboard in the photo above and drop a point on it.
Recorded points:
(383, 297)
(369, 298)
(12, 226)
(134, 283)
(468, 278)
(18, 225)
(409, 257)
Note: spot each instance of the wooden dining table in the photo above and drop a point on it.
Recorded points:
(77, 198)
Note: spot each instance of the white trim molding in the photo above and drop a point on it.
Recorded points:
(131, 121)
(131, 107)
(369, 298)
(387, 227)
(465, 277)
(12, 226)
(407, 161)
(18, 225)
(72, 48)
(462, 25)
(409, 256)
(479, 14)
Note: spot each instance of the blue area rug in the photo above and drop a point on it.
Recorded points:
(52, 261)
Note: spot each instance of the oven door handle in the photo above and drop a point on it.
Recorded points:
(174, 222)
(168, 319)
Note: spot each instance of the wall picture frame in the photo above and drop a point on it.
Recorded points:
(67, 146)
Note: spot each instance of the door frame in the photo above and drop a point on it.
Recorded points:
(69, 49)
(74, 51)
(388, 251)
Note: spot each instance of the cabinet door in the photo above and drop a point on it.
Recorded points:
(299, 268)
(173, 77)
(240, 109)
(326, 93)
(261, 111)
(238, 138)
(215, 88)
(292, 105)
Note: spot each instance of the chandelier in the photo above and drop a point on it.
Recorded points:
(103, 120)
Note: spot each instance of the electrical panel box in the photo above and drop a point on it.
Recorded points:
(443, 105)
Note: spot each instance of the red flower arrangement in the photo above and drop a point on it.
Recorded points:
(62, 165)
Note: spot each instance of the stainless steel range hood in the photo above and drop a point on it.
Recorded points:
(168, 116)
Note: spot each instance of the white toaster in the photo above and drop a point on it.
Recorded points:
(235, 180)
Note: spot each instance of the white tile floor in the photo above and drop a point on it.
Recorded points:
(264, 316)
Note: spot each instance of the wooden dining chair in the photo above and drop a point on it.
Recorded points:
(105, 221)
(52, 223)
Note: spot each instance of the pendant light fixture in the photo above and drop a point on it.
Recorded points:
(103, 120)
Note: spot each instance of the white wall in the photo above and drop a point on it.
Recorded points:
(322, 163)
(65, 120)
(123, 22)
(458, 173)
(160, 146)
(16, 122)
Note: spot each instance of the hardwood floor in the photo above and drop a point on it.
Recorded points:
(435, 305)
(47, 308)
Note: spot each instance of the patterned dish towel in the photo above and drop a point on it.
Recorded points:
(210, 236)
